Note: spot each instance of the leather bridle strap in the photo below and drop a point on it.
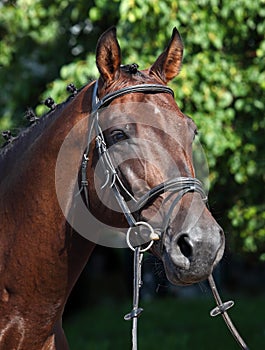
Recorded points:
(221, 309)
(143, 88)
(173, 185)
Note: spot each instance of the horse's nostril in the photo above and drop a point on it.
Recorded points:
(185, 245)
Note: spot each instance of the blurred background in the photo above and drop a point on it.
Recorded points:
(45, 45)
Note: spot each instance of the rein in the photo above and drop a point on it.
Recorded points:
(178, 185)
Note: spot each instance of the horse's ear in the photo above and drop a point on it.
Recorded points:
(168, 64)
(108, 56)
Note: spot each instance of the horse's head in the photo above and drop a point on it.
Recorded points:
(149, 143)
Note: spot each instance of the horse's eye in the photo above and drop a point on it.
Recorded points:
(118, 135)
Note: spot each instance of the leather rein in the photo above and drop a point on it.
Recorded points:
(178, 185)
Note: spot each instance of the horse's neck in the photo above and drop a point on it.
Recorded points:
(37, 246)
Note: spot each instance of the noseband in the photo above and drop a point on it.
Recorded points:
(178, 185)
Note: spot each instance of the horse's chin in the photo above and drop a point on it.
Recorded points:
(186, 274)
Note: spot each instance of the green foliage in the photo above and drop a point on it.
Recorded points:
(47, 44)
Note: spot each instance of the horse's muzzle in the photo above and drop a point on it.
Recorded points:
(190, 257)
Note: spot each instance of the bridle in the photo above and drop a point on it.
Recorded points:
(178, 185)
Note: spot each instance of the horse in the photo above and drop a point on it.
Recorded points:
(125, 167)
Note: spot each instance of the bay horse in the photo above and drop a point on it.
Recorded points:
(42, 253)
